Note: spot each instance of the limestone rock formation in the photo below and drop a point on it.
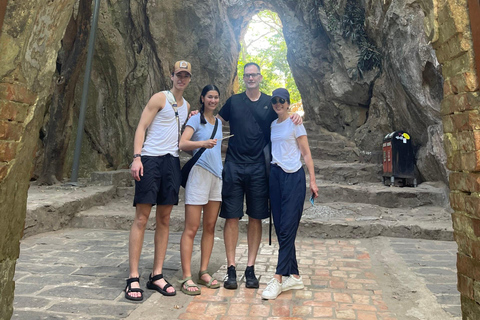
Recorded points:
(139, 40)
(29, 41)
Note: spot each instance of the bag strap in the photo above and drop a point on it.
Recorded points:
(173, 102)
(214, 129)
(202, 150)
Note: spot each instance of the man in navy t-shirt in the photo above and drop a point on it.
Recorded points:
(250, 115)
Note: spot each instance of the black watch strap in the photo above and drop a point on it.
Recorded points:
(136, 155)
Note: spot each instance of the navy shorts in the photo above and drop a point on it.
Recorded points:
(240, 181)
(160, 182)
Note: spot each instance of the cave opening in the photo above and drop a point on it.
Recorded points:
(264, 44)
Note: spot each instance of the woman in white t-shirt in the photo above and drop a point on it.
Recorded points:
(203, 190)
(287, 191)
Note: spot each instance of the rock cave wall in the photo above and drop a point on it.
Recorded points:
(29, 41)
(139, 40)
(126, 74)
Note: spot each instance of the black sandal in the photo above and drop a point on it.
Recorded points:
(152, 286)
(129, 289)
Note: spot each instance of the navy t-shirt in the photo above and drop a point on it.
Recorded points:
(246, 146)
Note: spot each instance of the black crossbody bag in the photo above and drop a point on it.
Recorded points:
(190, 163)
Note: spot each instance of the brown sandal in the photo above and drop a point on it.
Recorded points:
(185, 287)
(209, 283)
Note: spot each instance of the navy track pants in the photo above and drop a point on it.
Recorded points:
(287, 195)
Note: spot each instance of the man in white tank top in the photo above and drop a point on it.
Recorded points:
(156, 170)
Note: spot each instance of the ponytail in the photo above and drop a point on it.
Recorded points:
(202, 110)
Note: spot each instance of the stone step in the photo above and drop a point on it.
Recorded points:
(358, 220)
(347, 172)
(319, 136)
(125, 192)
(52, 208)
(328, 145)
(322, 138)
(348, 154)
(425, 194)
(356, 182)
(121, 177)
(324, 220)
(119, 215)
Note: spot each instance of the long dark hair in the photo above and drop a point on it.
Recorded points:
(208, 87)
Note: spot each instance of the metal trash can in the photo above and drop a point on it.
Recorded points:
(398, 159)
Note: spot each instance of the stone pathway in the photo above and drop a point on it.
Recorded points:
(435, 263)
(80, 274)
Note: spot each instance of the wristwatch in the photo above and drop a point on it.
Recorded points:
(136, 155)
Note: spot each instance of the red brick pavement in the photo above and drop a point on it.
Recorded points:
(339, 284)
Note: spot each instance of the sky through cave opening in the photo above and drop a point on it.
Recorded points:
(265, 45)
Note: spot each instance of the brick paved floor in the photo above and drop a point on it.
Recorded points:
(339, 284)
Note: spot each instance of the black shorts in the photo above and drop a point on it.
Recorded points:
(160, 182)
(241, 181)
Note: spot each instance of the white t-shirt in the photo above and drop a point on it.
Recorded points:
(285, 151)
(162, 135)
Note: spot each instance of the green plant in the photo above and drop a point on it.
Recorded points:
(353, 28)
(331, 9)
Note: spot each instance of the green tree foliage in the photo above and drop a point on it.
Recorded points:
(266, 46)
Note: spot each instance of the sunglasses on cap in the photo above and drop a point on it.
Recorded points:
(277, 100)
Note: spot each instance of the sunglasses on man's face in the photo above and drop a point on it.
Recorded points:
(277, 100)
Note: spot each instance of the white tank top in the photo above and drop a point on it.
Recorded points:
(162, 134)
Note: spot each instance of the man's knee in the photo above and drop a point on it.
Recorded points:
(163, 214)
(163, 220)
(142, 212)
(252, 222)
(231, 222)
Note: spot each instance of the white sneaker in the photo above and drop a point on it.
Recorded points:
(292, 283)
(273, 289)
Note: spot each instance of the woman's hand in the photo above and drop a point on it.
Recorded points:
(136, 168)
(209, 144)
(314, 189)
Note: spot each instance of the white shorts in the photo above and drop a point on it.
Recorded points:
(202, 186)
